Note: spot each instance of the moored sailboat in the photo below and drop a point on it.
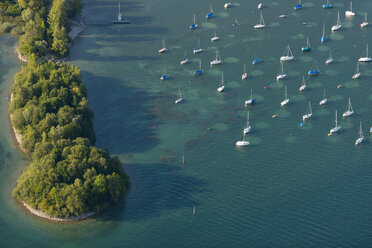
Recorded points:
(198, 49)
(330, 58)
(242, 142)
(324, 100)
(217, 60)
(164, 76)
(309, 114)
(163, 49)
(250, 101)
(222, 87)
(210, 14)
(298, 6)
(215, 37)
(314, 70)
(248, 127)
(307, 48)
(357, 73)
(350, 12)
(287, 55)
(303, 84)
(367, 58)
(323, 38)
(286, 99)
(365, 22)
(179, 99)
(281, 75)
(199, 71)
(327, 5)
(245, 74)
(338, 24)
(350, 111)
(336, 128)
(361, 136)
(185, 60)
(194, 25)
(261, 24)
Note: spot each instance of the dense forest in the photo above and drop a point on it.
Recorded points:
(68, 175)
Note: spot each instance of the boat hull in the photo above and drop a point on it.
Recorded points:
(298, 7)
(286, 58)
(313, 73)
(306, 49)
(336, 27)
(250, 102)
(324, 101)
(242, 143)
(348, 113)
(335, 130)
(365, 59)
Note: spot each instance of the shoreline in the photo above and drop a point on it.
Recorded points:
(76, 28)
(44, 216)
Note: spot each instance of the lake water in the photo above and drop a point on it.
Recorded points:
(294, 186)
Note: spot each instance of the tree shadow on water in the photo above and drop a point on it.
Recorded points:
(155, 188)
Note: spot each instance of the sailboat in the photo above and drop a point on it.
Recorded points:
(222, 87)
(256, 61)
(286, 99)
(330, 58)
(197, 50)
(287, 55)
(245, 74)
(262, 22)
(324, 100)
(303, 85)
(250, 101)
(165, 75)
(210, 14)
(336, 128)
(242, 142)
(365, 23)
(361, 136)
(164, 49)
(260, 6)
(298, 6)
(217, 60)
(236, 23)
(120, 19)
(199, 71)
(314, 70)
(215, 37)
(307, 48)
(227, 5)
(194, 25)
(350, 12)
(185, 60)
(367, 58)
(248, 127)
(308, 115)
(327, 5)
(349, 112)
(338, 24)
(323, 38)
(282, 74)
(179, 99)
(357, 73)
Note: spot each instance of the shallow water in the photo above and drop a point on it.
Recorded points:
(294, 186)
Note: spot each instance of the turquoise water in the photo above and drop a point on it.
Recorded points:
(293, 187)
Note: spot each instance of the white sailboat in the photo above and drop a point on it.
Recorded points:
(361, 136)
(262, 22)
(287, 55)
(227, 5)
(163, 49)
(260, 6)
(179, 99)
(250, 101)
(217, 60)
(324, 100)
(286, 99)
(242, 142)
(338, 25)
(282, 74)
(357, 73)
(185, 60)
(245, 74)
(222, 87)
(120, 20)
(215, 37)
(349, 112)
(330, 58)
(308, 115)
(367, 58)
(198, 49)
(336, 128)
(248, 127)
(303, 84)
(365, 23)
(350, 12)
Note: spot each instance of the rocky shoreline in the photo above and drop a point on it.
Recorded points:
(45, 216)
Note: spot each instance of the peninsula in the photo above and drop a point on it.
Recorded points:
(69, 178)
